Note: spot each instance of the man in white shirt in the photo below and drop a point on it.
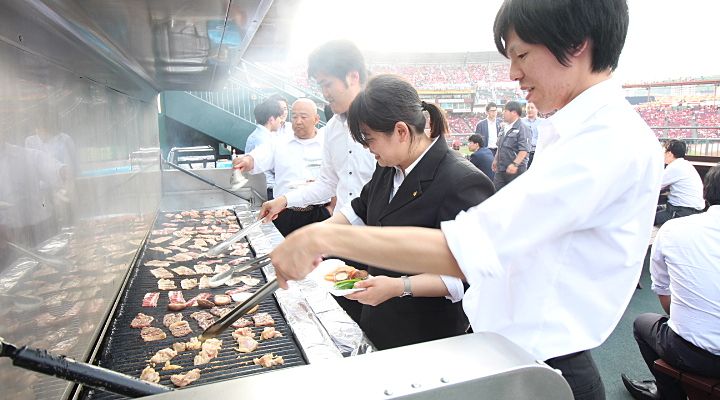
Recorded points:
(557, 290)
(268, 117)
(489, 127)
(683, 181)
(685, 270)
(339, 69)
(296, 161)
(531, 121)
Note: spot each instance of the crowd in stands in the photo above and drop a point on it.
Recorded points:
(660, 115)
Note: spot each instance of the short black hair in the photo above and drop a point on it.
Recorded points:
(476, 139)
(678, 148)
(514, 106)
(489, 106)
(337, 58)
(563, 25)
(266, 109)
(711, 186)
(387, 100)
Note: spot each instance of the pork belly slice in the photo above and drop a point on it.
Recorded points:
(170, 367)
(242, 323)
(161, 239)
(171, 318)
(263, 319)
(246, 344)
(205, 282)
(209, 350)
(270, 333)
(150, 334)
(193, 344)
(183, 271)
(166, 284)
(176, 296)
(245, 331)
(203, 269)
(222, 299)
(163, 355)
(239, 260)
(204, 319)
(162, 273)
(220, 268)
(181, 241)
(249, 280)
(161, 250)
(180, 328)
(149, 375)
(182, 380)
(182, 257)
(141, 321)
(189, 284)
(151, 299)
(269, 360)
(179, 346)
(220, 311)
(193, 302)
(157, 263)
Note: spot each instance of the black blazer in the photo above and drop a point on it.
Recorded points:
(482, 130)
(441, 185)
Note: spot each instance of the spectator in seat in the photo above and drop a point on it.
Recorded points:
(489, 128)
(683, 181)
(685, 269)
(481, 156)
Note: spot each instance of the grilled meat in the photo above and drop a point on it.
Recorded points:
(163, 355)
(149, 375)
(162, 273)
(270, 333)
(171, 318)
(180, 328)
(263, 319)
(141, 321)
(150, 334)
(150, 299)
(269, 360)
(182, 380)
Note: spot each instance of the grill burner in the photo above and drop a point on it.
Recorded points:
(123, 350)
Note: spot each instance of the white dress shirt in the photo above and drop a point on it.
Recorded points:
(258, 137)
(454, 285)
(686, 187)
(295, 161)
(562, 286)
(492, 134)
(686, 266)
(346, 167)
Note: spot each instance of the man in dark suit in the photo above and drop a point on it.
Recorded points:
(513, 147)
(490, 127)
(481, 156)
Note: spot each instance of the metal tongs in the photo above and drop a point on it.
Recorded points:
(226, 321)
(218, 249)
(247, 266)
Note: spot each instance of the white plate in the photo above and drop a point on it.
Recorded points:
(324, 268)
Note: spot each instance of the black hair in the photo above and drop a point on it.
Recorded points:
(266, 109)
(711, 186)
(337, 58)
(489, 106)
(678, 148)
(563, 25)
(477, 139)
(389, 99)
(278, 97)
(514, 106)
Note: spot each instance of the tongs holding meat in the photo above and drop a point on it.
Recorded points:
(248, 266)
(226, 321)
(86, 374)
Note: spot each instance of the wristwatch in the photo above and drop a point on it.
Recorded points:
(515, 164)
(407, 290)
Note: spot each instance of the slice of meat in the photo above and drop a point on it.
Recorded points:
(220, 311)
(222, 299)
(171, 318)
(150, 334)
(210, 349)
(182, 257)
(204, 282)
(180, 242)
(189, 284)
(161, 250)
(141, 321)
(170, 367)
(238, 260)
(249, 280)
(246, 344)
(240, 289)
(176, 296)
(157, 263)
(263, 319)
(220, 268)
(193, 302)
(183, 271)
(179, 346)
(149, 375)
(242, 323)
(162, 273)
(166, 284)
(240, 252)
(203, 318)
(269, 360)
(163, 355)
(182, 380)
(151, 299)
(270, 333)
(180, 328)
(193, 344)
(203, 269)
(246, 331)
(161, 239)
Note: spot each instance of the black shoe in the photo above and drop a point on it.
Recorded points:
(641, 390)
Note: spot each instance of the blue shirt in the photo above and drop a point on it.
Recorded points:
(483, 159)
(533, 129)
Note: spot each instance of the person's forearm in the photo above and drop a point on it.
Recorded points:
(405, 249)
(428, 285)
(665, 303)
(520, 157)
(337, 218)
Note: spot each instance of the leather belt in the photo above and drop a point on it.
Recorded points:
(308, 208)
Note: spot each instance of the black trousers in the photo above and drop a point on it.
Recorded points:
(581, 373)
(502, 178)
(656, 340)
(290, 220)
(671, 212)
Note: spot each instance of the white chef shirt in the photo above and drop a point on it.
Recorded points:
(686, 187)
(295, 161)
(686, 265)
(492, 134)
(454, 285)
(562, 286)
(346, 167)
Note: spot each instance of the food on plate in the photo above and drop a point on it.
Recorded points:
(181, 380)
(346, 284)
(150, 334)
(151, 299)
(270, 333)
(263, 319)
(345, 272)
(269, 360)
(163, 355)
(149, 375)
(141, 321)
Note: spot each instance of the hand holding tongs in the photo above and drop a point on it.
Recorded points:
(225, 322)
(247, 266)
(218, 249)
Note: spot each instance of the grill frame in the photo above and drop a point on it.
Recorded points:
(120, 339)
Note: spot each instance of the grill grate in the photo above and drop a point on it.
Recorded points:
(123, 350)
